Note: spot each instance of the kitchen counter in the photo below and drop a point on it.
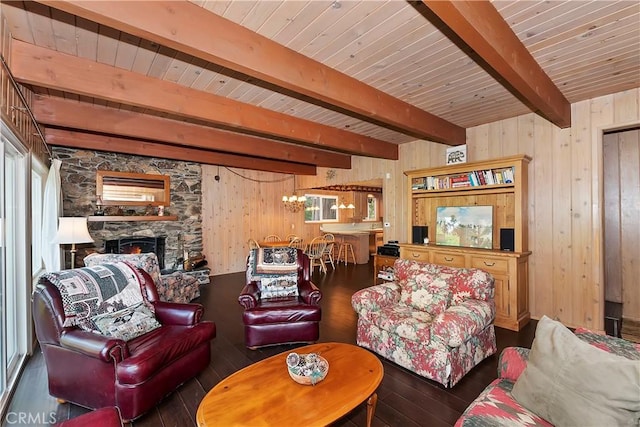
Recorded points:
(358, 234)
(359, 241)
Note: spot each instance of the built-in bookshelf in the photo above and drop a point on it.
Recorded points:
(499, 183)
(475, 178)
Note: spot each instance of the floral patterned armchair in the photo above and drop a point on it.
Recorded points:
(174, 287)
(434, 320)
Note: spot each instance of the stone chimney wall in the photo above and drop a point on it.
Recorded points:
(78, 176)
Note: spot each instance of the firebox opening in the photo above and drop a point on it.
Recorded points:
(138, 245)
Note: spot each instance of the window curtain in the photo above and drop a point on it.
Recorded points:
(52, 209)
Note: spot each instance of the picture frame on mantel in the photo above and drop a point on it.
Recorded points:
(456, 155)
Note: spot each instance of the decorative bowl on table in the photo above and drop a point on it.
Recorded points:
(307, 369)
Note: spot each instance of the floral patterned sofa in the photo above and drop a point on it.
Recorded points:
(174, 287)
(434, 320)
(496, 405)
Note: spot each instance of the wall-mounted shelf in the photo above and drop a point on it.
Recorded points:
(124, 218)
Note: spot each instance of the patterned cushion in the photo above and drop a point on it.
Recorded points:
(174, 287)
(610, 344)
(495, 407)
(463, 321)
(270, 262)
(106, 299)
(404, 321)
(427, 292)
(145, 261)
(279, 286)
(470, 283)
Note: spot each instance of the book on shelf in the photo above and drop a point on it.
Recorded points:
(459, 181)
(473, 177)
(508, 175)
(418, 183)
(488, 174)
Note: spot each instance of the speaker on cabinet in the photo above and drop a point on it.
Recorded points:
(419, 232)
(507, 239)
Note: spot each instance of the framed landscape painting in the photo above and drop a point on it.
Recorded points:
(465, 226)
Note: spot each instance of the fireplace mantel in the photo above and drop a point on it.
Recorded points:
(123, 218)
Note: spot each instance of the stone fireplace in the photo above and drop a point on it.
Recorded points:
(138, 245)
(78, 176)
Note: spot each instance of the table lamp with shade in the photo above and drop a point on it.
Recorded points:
(72, 230)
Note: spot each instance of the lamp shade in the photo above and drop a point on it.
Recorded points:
(72, 230)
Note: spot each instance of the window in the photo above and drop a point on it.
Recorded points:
(372, 208)
(318, 208)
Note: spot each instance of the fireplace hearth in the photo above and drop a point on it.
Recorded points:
(138, 245)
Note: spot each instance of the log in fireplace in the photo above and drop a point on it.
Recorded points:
(138, 245)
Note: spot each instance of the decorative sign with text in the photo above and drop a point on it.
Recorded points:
(457, 155)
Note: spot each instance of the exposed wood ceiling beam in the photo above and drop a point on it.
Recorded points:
(43, 67)
(86, 141)
(93, 118)
(182, 26)
(480, 27)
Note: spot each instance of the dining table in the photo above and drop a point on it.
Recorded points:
(275, 244)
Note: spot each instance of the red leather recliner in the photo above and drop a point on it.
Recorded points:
(282, 320)
(96, 371)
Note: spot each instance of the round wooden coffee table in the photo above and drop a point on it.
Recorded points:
(264, 394)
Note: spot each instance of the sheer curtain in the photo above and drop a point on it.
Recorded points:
(51, 211)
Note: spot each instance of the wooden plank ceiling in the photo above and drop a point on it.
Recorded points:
(287, 86)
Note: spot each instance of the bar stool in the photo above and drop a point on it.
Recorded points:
(345, 248)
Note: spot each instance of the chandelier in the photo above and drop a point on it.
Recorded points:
(294, 203)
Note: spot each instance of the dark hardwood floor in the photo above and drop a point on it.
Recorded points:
(404, 399)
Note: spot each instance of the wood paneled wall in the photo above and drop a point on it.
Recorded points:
(242, 204)
(565, 201)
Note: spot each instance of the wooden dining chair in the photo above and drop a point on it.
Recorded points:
(253, 244)
(328, 251)
(298, 242)
(315, 252)
(272, 238)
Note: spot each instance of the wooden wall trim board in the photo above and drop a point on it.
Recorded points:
(565, 201)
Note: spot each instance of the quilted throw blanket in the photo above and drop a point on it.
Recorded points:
(105, 299)
(265, 262)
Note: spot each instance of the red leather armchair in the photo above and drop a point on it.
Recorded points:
(96, 371)
(271, 321)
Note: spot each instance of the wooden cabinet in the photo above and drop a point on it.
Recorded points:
(381, 263)
(360, 202)
(499, 183)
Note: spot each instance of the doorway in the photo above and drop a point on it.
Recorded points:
(621, 187)
(14, 312)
